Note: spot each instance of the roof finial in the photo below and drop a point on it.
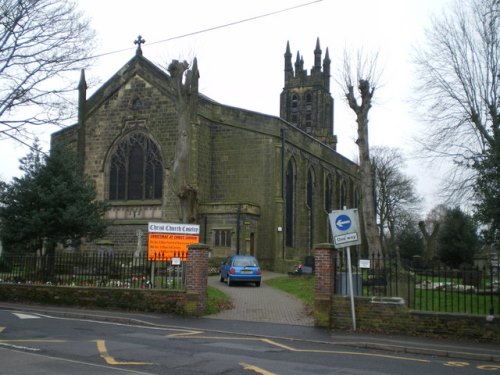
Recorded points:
(139, 41)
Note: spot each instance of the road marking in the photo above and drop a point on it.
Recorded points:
(33, 340)
(457, 364)
(256, 369)
(489, 367)
(19, 347)
(1, 329)
(103, 351)
(291, 349)
(26, 316)
(185, 333)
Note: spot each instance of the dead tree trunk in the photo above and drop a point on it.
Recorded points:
(361, 110)
(430, 240)
(185, 88)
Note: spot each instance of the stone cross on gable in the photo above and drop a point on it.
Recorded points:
(140, 40)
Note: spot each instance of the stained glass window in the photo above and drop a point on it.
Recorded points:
(136, 170)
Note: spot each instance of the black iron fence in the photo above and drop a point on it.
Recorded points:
(93, 270)
(426, 287)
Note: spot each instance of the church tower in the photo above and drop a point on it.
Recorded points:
(306, 101)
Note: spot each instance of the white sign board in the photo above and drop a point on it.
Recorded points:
(174, 228)
(364, 263)
(345, 228)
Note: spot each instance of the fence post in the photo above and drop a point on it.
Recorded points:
(197, 279)
(325, 256)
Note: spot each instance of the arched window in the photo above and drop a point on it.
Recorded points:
(356, 198)
(310, 188)
(137, 104)
(310, 204)
(289, 203)
(308, 112)
(328, 194)
(343, 195)
(136, 169)
(295, 108)
(308, 101)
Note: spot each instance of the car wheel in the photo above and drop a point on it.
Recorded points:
(257, 283)
(221, 278)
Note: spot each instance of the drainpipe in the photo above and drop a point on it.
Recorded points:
(205, 226)
(238, 229)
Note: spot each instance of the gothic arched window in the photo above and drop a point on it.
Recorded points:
(136, 169)
(295, 109)
(308, 112)
(328, 194)
(308, 101)
(356, 198)
(289, 203)
(310, 188)
(343, 195)
(310, 204)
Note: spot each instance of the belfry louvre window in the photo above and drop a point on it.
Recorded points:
(136, 170)
(222, 237)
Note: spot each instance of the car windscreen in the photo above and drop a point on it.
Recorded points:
(245, 262)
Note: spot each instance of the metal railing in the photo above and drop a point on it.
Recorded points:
(425, 287)
(92, 270)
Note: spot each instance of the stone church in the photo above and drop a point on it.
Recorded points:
(161, 151)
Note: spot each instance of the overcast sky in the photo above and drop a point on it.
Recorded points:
(242, 64)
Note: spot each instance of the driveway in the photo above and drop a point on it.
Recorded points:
(264, 304)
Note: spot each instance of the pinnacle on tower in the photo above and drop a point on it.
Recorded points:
(297, 63)
(326, 69)
(317, 57)
(288, 63)
(288, 58)
(82, 85)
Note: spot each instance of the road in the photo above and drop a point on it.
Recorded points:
(41, 343)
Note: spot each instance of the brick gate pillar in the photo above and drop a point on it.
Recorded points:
(197, 279)
(325, 258)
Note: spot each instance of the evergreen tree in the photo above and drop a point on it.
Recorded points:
(488, 191)
(458, 240)
(409, 241)
(51, 203)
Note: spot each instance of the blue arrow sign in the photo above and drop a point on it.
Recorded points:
(343, 222)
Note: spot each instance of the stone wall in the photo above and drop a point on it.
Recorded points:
(191, 301)
(388, 315)
(391, 316)
(163, 301)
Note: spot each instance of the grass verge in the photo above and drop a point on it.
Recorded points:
(301, 287)
(217, 301)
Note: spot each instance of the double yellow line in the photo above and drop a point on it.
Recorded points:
(103, 351)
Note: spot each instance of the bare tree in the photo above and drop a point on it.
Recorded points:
(184, 86)
(458, 71)
(40, 41)
(359, 100)
(430, 230)
(395, 196)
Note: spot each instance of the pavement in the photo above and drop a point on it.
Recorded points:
(263, 304)
(265, 312)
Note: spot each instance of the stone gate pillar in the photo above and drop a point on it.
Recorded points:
(325, 258)
(197, 279)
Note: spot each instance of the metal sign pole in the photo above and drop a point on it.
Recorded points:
(153, 274)
(351, 289)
